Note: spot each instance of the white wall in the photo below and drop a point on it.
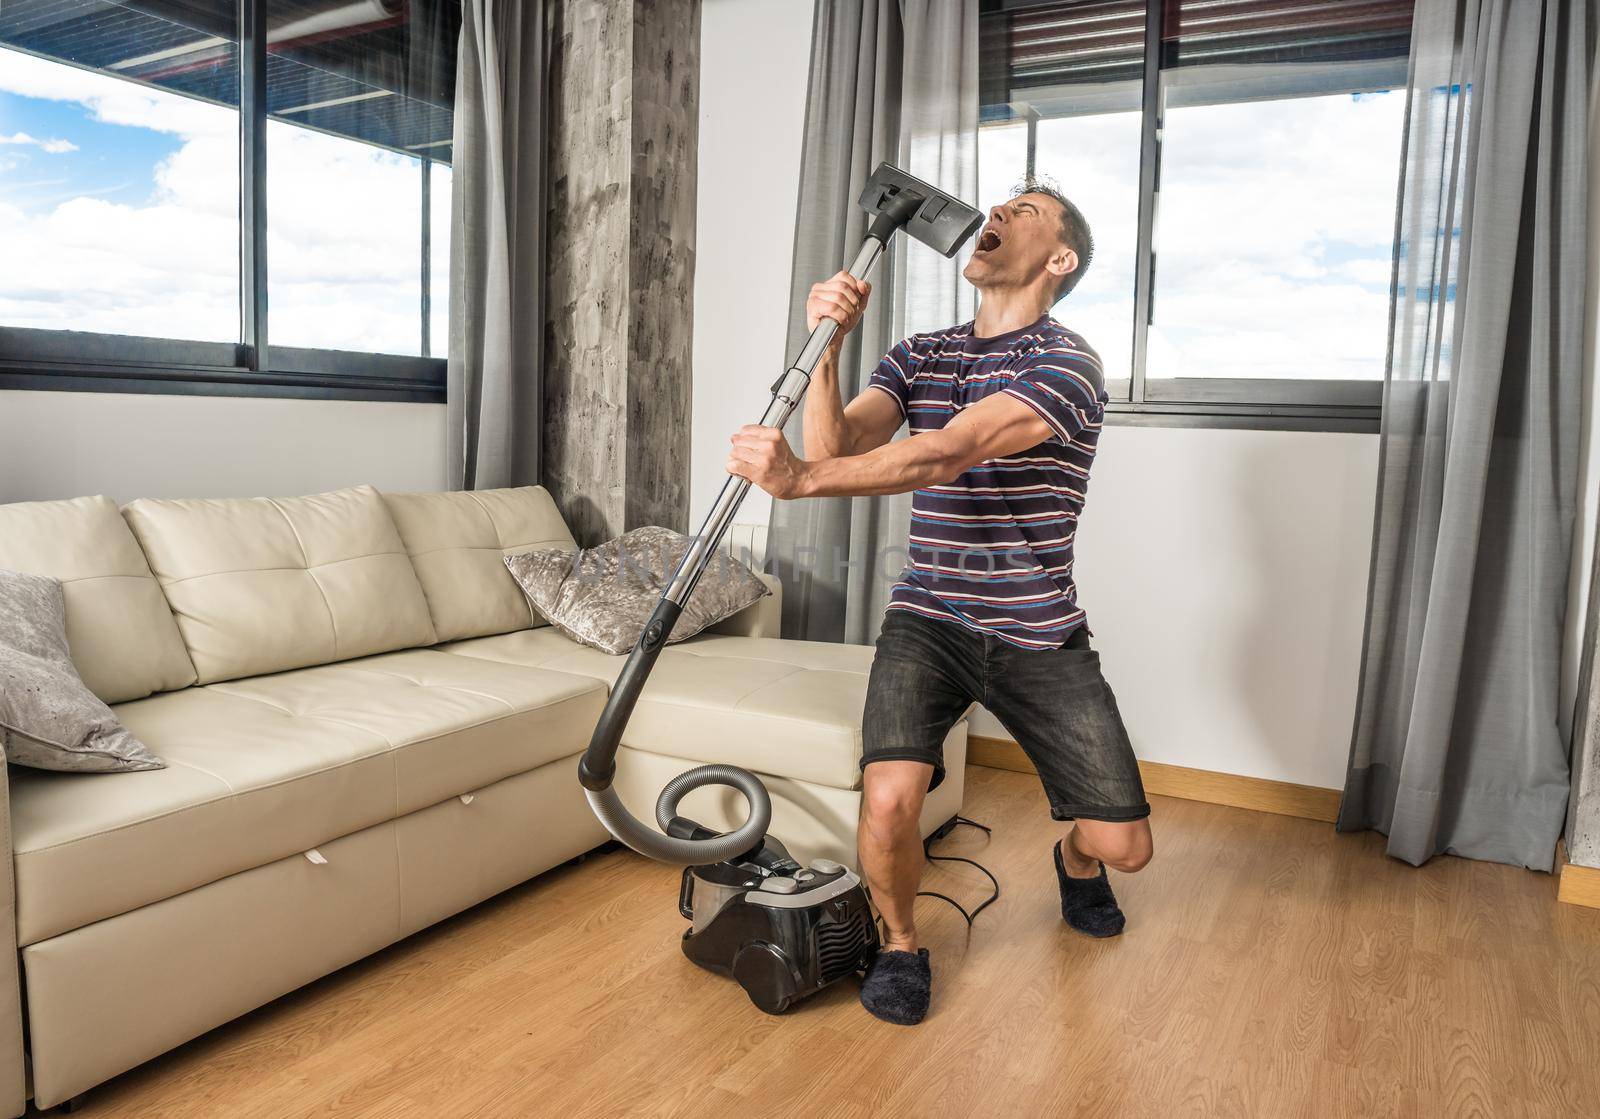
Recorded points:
(1224, 571)
(753, 64)
(66, 444)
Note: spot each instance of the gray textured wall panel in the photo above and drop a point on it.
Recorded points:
(666, 82)
(625, 79)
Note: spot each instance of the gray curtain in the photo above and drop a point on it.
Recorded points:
(1456, 746)
(896, 81)
(497, 261)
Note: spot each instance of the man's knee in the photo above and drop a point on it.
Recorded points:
(892, 797)
(1132, 860)
(1127, 848)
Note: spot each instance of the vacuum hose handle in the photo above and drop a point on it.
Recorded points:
(896, 201)
(598, 766)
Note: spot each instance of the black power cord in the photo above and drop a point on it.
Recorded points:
(927, 845)
(940, 833)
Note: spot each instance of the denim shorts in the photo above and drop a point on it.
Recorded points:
(1054, 702)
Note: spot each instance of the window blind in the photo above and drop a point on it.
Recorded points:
(1040, 45)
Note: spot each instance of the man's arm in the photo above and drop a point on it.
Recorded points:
(993, 428)
(833, 430)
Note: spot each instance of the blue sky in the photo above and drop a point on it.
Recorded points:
(111, 161)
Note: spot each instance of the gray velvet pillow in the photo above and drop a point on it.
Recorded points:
(48, 718)
(603, 596)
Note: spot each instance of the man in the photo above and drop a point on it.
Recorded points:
(1005, 413)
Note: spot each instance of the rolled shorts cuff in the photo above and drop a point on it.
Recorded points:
(910, 755)
(1103, 814)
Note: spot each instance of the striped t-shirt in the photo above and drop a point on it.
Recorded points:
(993, 549)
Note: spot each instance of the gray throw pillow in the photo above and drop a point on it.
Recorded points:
(603, 596)
(48, 718)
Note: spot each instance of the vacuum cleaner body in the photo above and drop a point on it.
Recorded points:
(783, 931)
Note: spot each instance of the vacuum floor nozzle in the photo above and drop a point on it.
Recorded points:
(942, 221)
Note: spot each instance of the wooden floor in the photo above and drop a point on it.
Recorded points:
(1271, 968)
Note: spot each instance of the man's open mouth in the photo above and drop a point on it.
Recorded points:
(988, 241)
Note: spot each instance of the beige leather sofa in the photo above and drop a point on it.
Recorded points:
(366, 731)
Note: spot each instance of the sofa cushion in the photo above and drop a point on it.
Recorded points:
(458, 543)
(264, 584)
(790, 708)
(260, 769)
(124, 641)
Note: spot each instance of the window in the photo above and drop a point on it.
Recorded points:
(358, 120)
(168, 241)
(1239, 163)
(119, 202)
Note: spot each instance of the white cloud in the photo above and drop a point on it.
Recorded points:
(1273, 238)
(344, 243)
(53, 147)
(1370, 270)
(110, 100)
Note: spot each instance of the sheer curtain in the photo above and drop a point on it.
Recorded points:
(893, 80)
(1455, 746)
(1583, 818)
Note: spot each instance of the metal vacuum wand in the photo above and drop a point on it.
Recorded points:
(896, 201)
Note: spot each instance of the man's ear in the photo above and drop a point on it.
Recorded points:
(1062, 263)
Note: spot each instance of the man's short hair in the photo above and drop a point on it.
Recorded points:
(1074, 230)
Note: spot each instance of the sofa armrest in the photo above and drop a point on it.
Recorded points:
(13, 1067)
(761, 618)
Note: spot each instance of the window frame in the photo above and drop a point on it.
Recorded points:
(82, 361)
(1231, 402)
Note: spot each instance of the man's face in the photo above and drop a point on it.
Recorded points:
(1018, 242)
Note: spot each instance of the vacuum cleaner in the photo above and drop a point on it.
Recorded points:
(783, 931)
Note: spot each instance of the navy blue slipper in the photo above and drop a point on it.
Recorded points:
(1087, 904)
(897, 986)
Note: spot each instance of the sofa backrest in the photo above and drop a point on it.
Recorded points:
(124, 641)
(458, 543)
(265, 584)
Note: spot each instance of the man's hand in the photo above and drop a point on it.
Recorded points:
(841, 298)
(762, 454)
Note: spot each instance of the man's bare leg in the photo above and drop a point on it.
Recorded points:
(890, 844)
(899, 981)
